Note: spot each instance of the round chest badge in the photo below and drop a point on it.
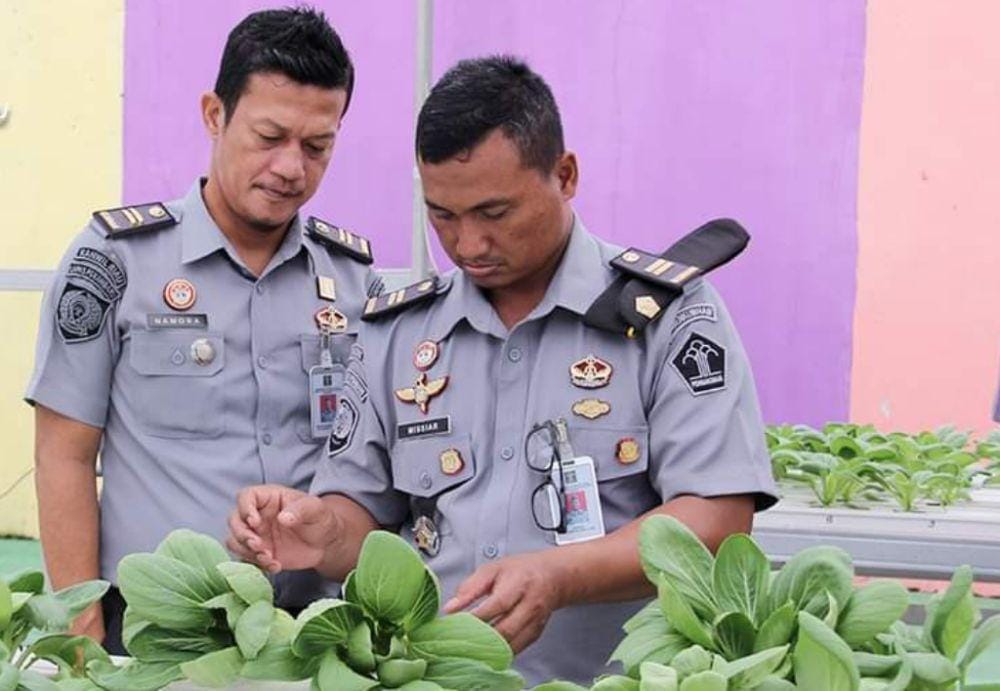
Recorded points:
(425, 355)
(180, 294)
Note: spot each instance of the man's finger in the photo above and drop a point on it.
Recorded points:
(239, 549)
(525, 637)
(501, 601)
(250, 500)
(239, 530)
(304, 512)
(471, 589)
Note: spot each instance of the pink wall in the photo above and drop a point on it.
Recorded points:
(927, 326)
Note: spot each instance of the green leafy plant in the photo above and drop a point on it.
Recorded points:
(386, 633)
(33, 625)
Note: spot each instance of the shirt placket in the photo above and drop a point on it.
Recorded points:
(516, 356)
(261, 305)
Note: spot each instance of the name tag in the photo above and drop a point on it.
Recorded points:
(325, 382)
(584, 518)
(176, 321)
(424, 428)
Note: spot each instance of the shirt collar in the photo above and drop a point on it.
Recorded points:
(201, 235)
(580, 277)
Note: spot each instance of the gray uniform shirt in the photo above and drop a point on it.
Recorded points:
(698, 431)
(182, 438)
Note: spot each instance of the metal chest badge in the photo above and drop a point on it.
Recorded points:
(451, 462)
(590, 372)
(627, 450)
(330, 320)
(422, 391)
(591, 408)
(425, 355)
(426, 535)
(179, 294)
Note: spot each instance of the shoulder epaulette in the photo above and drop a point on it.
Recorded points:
(649, 283)
(127, 220)
(404, 298)
(340, 239)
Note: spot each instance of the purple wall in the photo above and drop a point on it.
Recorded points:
(680, 112)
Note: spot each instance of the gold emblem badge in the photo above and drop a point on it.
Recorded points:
(451, 462)
(647, 306)
(180, 294)
(157, 211)
(422, 391)
(330, 320)
(425, 535)
(590, 373)
(627, 450)
(591, 408)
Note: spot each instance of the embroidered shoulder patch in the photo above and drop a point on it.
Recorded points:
(693, 313)
(94, 282)
(701, 363)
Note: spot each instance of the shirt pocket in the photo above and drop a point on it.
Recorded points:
(180, 399)
(309, 346)
(430, 466)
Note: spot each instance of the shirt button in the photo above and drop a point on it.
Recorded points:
(490, 551)
(425, 480)
(260, 288)
(507, 453)
(266, 439)
(514, 354)
(262, 361)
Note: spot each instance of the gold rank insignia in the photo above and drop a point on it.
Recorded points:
(326, 288)
(591, 408)
(590, 373)
(647, 306)
(340, 239)
(657, 270)
(396, 300)
(422, 391)
(451, 462)
(126, 220)
(627, 450)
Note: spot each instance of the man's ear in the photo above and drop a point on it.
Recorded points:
(213, 113)
(568, 174)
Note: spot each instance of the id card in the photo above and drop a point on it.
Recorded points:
(324, 383)
(584, 519)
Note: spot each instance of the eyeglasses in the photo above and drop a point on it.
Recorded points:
(545, 448)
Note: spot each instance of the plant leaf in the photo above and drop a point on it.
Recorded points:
(652, 640)
(777, 629)
(390, 577)
(806, 577)
(27, 581)
(871, 610)
(933, 668)
(247, 581)
(425, 609)
(950, 623)
(360, 655)
(668, 546)
(821, 659)
(233, 605)
(156, 644)
(277, 662)
(461, 635)
(324, 624)
(395, 673)
(215, 670)
(740, 577)
(471, 675)
(681, 616)
(197, 550)
(135, 676)
(166, 591)
(254, 628)
(81, 596)
(657, 677)
(983, 638)
(747, 672)
(733, 634)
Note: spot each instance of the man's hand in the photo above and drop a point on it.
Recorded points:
(280, 528)
(520, 592)
(90, 623)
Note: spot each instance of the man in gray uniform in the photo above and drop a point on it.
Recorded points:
(201, 344)
(515, 432)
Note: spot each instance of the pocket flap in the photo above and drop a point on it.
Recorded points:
(431, 465)
(166, 353)
(617, 452)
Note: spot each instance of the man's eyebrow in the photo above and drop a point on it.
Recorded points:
(486, 204)
(271, 123)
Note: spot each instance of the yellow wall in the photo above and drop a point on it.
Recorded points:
(927, 321)
(60, 157)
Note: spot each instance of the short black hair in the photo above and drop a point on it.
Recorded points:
(477, 96)
(297, 42)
